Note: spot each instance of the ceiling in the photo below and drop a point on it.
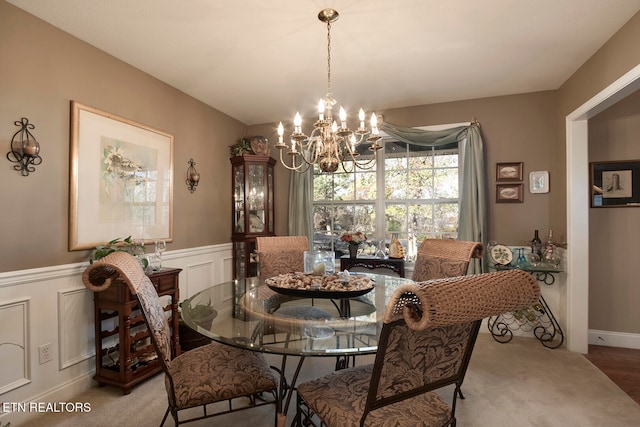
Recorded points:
(260, 61)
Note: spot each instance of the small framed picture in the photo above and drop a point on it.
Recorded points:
(539, 182)
(509, 193)
(509, 171)
(615, 184)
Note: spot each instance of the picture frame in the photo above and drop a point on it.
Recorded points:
(509, 171)
(509, 193)
(539, 182)
(615, 183)
(121, 179)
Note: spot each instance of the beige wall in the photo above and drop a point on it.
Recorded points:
(613, 232)
(43, 70)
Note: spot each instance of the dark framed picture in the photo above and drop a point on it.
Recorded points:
(615, 184)
(509, 193)
(509, 171)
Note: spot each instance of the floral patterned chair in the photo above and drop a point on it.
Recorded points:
(280, 254)
(428, 334)
(285, 254)
(205, 375)
(440, 258)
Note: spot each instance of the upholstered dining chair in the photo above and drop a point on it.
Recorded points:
(427, 338)
(440, 258)
(202, 376)
(280, 254)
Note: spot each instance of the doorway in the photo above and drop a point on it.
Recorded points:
(577, 297)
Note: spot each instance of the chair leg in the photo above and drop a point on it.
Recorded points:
(165, 417)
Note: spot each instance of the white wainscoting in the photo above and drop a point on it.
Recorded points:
(14, 345)
(51, 305)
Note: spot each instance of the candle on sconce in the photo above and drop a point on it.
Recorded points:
(321, 109)
(361, 117)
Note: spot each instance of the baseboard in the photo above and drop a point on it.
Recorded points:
(614, 339)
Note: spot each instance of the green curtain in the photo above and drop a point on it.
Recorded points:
(300, 202)
(472, 220)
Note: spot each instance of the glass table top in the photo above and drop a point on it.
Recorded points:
(251, 315)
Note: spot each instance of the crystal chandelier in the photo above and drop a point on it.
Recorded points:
(330, 144)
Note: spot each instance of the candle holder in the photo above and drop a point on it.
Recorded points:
(25, 148)
(193, 177)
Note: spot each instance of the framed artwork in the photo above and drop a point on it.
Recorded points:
(539, 182)
(121, 179)
(509, 171)
(615, 184)
(509, 193)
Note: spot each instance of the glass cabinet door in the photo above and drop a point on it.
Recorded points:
(255, 198)
(238, 199)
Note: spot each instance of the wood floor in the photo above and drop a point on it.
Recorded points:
(622, 365)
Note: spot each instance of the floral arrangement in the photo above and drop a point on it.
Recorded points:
(353, 237)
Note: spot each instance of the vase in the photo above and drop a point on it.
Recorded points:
(353, 251)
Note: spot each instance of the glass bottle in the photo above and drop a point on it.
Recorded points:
(549, 248)
(536, 244)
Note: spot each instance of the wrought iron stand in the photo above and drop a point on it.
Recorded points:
(537, 319)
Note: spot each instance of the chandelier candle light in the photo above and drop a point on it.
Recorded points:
(330, 145)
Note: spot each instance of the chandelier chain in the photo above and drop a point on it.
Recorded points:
(329, 58)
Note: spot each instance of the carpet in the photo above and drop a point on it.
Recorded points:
(520, 383)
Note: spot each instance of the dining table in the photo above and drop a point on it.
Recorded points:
(303, 323)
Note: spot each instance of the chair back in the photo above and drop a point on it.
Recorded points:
(280, 254)
(430, 329)
(127, 267)
(440, 258)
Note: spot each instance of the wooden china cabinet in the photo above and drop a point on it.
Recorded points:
(252, 209)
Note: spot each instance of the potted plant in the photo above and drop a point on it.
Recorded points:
(125, 245)
(203, 315)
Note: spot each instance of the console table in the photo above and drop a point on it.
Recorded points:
(537, 318)
(124, 353)
(394, 264)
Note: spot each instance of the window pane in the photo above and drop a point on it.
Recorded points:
(446, 160)
(395, 184)
(343, 186)
(421, 218)
(446, 224)
(446, 184)
(395, 218)
(322, 227)
(322, 187)
(420, 184)
(366, 185)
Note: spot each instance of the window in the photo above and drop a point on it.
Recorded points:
(411, 192)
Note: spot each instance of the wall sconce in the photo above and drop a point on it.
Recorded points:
(24, 148)
(193, 177)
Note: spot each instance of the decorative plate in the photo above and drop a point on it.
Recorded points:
(501, 255)
(326, 286)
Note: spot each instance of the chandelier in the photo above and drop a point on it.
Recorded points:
(331, 144)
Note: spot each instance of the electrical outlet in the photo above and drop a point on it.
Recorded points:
(44, 351)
